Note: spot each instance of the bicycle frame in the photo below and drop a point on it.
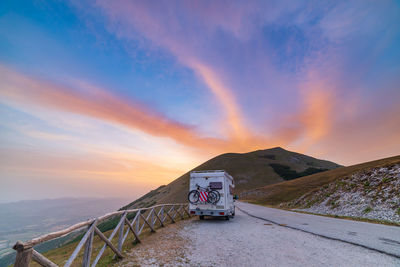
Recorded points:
(204, 189)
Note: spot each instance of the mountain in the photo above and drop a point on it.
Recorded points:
(250, 170)
(367, 190)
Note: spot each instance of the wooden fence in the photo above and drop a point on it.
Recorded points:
(149, 217)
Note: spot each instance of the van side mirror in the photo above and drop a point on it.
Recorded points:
(235, 197)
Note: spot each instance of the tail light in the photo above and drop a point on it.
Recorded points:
(221, 213)
(192, 212)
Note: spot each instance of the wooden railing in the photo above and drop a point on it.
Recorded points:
(151, 216)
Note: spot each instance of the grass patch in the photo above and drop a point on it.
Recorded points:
(367, 209)
(273, 157)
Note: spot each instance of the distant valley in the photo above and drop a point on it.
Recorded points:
(24, 220)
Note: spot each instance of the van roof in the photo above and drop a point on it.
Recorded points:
(194, 174)
(208, 171)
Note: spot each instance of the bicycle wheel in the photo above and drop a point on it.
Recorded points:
(213, 197)
(193, 196)
(218, 196)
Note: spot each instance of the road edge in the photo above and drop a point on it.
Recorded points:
(320, 235)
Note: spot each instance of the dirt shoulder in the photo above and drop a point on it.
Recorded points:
(166, 247)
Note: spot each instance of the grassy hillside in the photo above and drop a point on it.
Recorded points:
(250, 170)
(290, 190)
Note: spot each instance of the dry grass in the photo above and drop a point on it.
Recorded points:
(276, 194)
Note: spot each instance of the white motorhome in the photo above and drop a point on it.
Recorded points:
(211, 194)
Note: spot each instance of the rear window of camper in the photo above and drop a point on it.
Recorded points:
(215, 185)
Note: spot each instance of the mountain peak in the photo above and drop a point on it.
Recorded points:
(250, 170)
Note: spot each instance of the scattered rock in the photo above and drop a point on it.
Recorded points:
(372, 194)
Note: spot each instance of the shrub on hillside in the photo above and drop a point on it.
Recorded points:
(288, 174)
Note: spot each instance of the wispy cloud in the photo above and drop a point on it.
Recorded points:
(169, 33)
(96, 103)
(225, 98)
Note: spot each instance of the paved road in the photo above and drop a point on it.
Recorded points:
(249, 241)
(379, 237)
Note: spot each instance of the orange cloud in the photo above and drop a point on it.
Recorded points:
(317, 113)
(367, 136)
(314, 118)
(99, 104)
(137, 16)
(225, 97)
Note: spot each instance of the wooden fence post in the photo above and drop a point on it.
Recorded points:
(24, 256)
(138, 223)
(121, 232)
(88, 250)
(152, 217)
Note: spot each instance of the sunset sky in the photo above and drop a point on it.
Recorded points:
(113, 98)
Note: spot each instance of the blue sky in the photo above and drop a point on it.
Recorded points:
(135, 93)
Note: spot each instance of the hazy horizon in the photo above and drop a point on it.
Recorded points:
(61, 198)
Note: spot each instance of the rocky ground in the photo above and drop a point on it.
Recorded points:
(372, 194)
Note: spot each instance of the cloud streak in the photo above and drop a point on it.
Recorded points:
(168, 32)
(226, 99)
(95, 103)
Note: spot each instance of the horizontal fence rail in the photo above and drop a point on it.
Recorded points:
(131, 221)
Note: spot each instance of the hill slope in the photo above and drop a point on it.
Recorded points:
(293, 191)
(371, 193)
(250, 170)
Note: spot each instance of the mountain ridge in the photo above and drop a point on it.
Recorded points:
(250, 170)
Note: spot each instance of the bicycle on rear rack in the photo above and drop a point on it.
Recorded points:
(203, 195)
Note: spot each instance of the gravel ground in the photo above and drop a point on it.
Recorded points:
(166, 247)
(247, 241)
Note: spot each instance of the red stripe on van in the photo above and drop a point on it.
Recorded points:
(203, 196)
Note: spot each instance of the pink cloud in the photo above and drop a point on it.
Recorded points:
(168, 32)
